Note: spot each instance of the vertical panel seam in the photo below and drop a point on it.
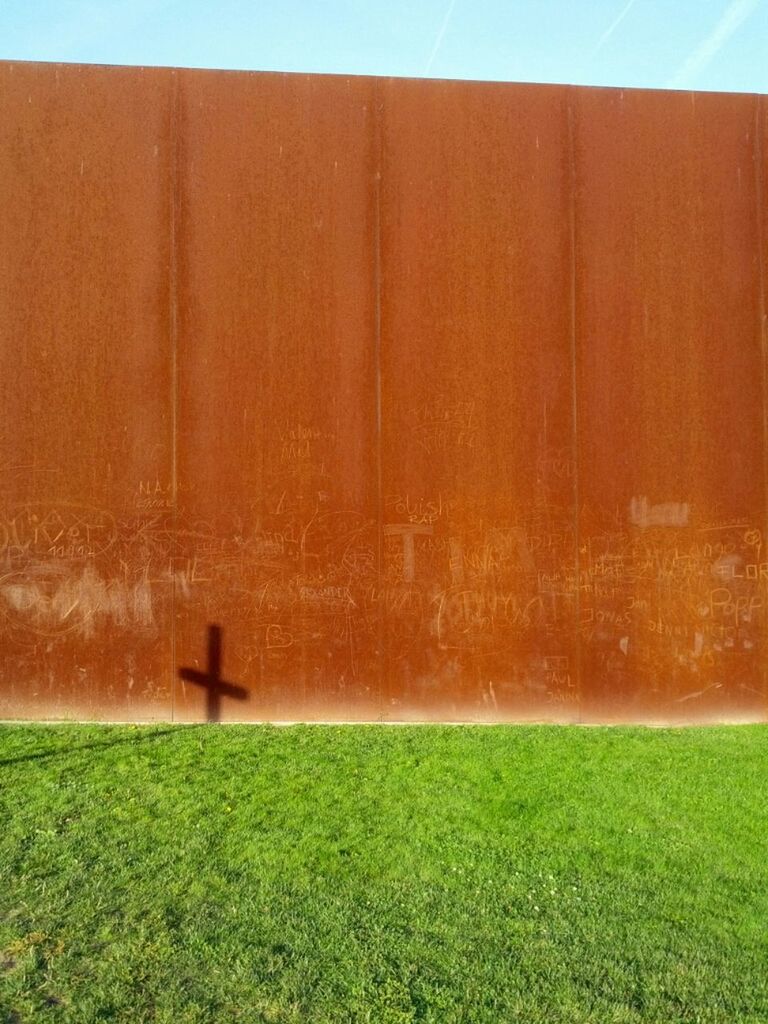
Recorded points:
(572, 238)
(173, 332)
(762, 333)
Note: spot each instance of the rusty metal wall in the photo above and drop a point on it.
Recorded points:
(332, 398)
(669, 386)
(276, 420)
(85, 391)
(477, 411)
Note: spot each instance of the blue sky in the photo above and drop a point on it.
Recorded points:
(686, 44)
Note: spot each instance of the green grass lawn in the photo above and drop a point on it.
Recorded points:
(383, 874)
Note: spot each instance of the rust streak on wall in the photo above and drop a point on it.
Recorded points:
(348, 398)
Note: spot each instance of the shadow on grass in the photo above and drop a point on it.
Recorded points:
(66, 751)
(210, 680)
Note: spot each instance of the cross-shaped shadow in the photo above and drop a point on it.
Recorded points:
(215, 686)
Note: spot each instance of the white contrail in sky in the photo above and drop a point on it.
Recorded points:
(613, 26)
(732, 18)
(440, 35)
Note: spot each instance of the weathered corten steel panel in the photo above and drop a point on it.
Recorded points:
(671, 481)
(353, 398)
(277, 429)
(85, 386)
(477, 433)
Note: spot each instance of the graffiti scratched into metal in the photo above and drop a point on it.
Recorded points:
(418, 400)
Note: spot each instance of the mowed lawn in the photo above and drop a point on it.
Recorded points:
(383, 874)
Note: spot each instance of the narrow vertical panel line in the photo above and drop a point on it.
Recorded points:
(173, 331)
(377, 169)
(572, 241)
(762, 314)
